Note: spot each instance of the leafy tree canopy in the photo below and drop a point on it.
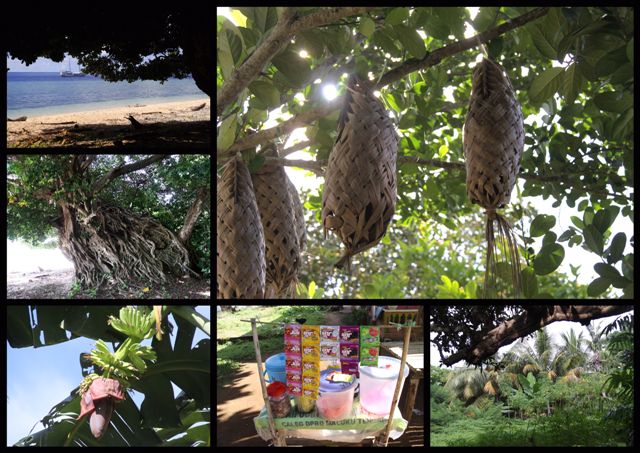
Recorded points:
(117, 42)
(164, 192)
(571, 67)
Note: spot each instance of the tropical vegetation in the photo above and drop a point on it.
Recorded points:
(576, 393)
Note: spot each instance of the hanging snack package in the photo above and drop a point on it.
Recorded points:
(292, 332)
(293, 359)
(310, 361)
(369, 345)
(310, 335)
(349, 356)
(330, 343)
(329, 334)
(349, 334)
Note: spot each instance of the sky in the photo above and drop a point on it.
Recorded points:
(40, 378)
(555, 331)
(575, 256)
(42, 65)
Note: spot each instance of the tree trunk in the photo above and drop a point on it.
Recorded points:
(108, 243)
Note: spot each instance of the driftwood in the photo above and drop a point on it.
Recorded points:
(22, 118)
(198, 107)
(134, 122)
(64, 122)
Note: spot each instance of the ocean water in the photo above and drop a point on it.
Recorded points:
(33, 93)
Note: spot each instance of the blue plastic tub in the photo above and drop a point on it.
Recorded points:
(275, 368)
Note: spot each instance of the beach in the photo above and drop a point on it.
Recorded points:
(156, 124)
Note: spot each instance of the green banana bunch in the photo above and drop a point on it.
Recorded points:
(135, 322)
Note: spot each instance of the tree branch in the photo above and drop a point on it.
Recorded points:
(123, 170)
(192, 215)
(318, 166)
(435, 57)
(289, 24)
(391, 76)
(268, 135)
(529, 322)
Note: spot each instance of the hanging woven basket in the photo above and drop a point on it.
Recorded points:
(277, 211)
(493, 141)
(493, 137)
(359, 195)
(301, 230)
(240, 253)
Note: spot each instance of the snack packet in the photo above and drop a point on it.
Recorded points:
(292, 332)
(349, 334)
(310, 335)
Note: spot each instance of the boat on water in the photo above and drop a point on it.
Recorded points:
(70, 73)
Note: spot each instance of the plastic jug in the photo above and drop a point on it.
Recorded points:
(275, 368)
(335, 399)
(377, 385)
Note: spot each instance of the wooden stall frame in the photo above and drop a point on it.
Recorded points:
(278, 437)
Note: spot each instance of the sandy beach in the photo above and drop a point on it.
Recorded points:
(168, 123)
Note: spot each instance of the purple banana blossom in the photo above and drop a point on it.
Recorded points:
(99, 401)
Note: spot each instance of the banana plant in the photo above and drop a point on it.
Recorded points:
(99, 393)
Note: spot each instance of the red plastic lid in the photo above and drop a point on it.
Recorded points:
(276, 389)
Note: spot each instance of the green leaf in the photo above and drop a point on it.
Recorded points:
(367, 26)
(485, 18)
(593, 239)
(568, 234)
(616, 249)
(443, 150)
(541, 224)
(614, 101)
(382, 39)
(227, 133)
(598, 286)
(611, 61)
(549, 238)
(623, 126)
(542, 42)
(573, 82)
(266, 93)
(604, 218)
(434, 26)
(606, 270)
(397, 16)
(546, 85)
(577, 222)
(411, 40)
(548, 259)
(294, 68)
(630, 50)
(529, 282)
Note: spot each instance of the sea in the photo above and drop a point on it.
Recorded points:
(46, 93)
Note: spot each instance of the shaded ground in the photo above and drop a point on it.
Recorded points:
(59, 285)
(171, 134)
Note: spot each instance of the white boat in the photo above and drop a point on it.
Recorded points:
(70, 73)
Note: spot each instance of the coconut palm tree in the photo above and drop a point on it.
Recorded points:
(469, 383)
(571, 356)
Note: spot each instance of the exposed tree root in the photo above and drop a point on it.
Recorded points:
(110, 244)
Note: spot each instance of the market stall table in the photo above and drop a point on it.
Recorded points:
(355, 428)
(415, 360)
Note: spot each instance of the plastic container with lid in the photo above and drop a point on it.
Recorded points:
(335, 399)
(275, 368)
(377, 385)
(278, 399)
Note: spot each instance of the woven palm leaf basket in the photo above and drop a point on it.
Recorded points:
(278, 213)
(493, 140)
(240, 263)
(359, 196)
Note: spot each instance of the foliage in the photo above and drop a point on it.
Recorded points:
(572, 70)
(161, 416)
(164, 192)
(148, 43)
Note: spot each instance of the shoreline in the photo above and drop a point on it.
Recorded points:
(35, 112)
(110, 126)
